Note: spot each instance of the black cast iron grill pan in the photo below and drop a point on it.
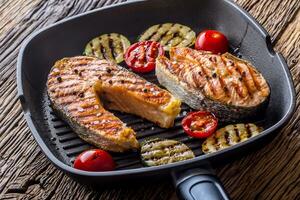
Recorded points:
(193, 178)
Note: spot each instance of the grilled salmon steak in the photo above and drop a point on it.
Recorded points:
(229, 87)
(80, 88)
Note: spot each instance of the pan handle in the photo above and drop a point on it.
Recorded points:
(198, 184)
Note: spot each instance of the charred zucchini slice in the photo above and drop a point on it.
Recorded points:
(157, 151)
(110, 46)
(229, 136)
(170, 35)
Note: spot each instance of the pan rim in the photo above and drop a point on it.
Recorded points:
(173, 166)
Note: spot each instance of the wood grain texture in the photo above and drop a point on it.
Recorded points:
(25, 173)
(273, 172)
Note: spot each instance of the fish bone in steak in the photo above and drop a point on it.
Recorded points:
(82, 88)
(229, 87)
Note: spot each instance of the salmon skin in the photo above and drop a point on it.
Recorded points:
(229, 87)
(82, 88)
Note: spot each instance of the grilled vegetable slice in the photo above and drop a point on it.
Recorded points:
(170, 35)
(229, 136)
(158, 151)
(110, 46)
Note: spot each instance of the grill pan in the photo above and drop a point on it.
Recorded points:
(193, 178)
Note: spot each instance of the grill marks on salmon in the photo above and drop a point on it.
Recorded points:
(220, 83)
(225, 77)
(229, 136)
(79, 87)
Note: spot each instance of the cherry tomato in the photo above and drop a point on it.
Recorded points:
(200, 124)
(212, 40)
(94, 160)
(141, 56)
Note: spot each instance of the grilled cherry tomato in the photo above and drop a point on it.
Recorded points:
(212, 40)
(94, 160)
(200, 124)
(141, 56)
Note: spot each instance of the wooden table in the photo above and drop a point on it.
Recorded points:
(271, 173)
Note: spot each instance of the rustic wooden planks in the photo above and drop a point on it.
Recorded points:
(271, 173)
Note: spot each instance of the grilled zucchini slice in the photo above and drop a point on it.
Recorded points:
(229, 136)
(157, 151)
(110, 46)
(170, 35)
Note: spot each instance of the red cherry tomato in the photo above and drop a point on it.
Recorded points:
(141, 56)
(94, 160)
(200, 124)
(211, 40)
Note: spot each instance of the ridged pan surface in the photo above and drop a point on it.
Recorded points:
(69, 145)
(247, 39)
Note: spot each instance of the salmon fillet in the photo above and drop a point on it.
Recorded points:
(224, 84)
(82, 88)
